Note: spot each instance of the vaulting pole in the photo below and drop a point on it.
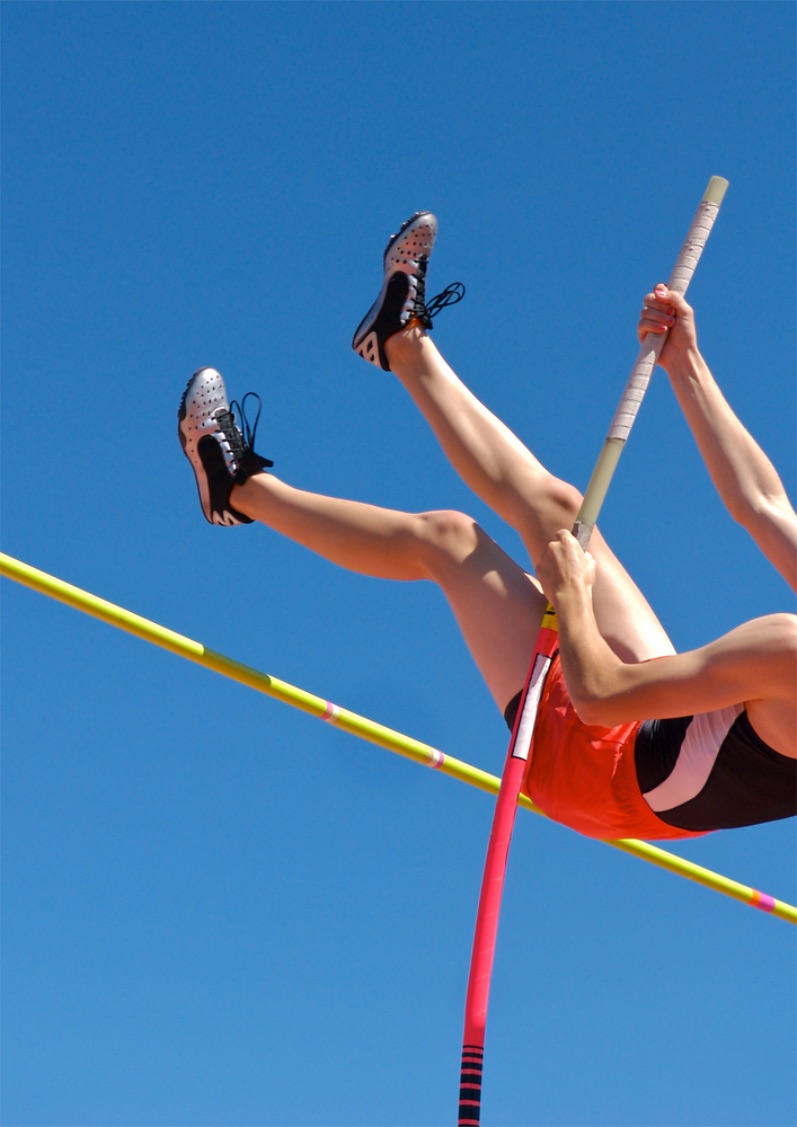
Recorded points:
(387, 738)
(486, 930)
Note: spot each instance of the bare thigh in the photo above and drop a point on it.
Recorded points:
(625, 618)
(505, 474)
(497, 605)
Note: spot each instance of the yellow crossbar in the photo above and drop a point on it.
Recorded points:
(357, 725)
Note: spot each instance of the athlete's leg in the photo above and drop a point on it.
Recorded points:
(485, 453)
(498, 607)
(507, 476)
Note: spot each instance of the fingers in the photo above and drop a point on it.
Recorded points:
(566, 538)
(565, 567)
(566, 541)
(660, 311)
(566, 549)
(563, 544)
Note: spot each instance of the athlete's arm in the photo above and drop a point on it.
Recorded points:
(742, 473)
(755, 664)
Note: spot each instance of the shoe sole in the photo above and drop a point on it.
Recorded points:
(387, 307)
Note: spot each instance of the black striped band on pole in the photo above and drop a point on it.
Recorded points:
(470, 1085)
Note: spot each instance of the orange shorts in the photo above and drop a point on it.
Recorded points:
(584, 776)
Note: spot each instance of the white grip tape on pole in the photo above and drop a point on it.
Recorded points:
(679, 280)
(646, 361)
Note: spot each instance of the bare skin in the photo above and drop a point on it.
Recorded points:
(497, 604)
(743, 475)
(755, 664)
(609, 633)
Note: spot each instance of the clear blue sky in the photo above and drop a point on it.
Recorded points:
(217, 910)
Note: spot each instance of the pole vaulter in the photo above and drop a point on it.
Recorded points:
(520, 743)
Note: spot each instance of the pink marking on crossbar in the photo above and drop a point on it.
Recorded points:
(763, 901)
(331, 712)
(437, 760)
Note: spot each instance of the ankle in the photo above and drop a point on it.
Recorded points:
(246, 496)
(407, 344)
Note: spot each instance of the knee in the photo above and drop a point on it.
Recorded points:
(784, 632)
(538, 511)
(448, 537)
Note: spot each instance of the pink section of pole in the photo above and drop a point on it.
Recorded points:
(486, 931)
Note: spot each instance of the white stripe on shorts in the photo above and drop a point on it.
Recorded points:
(698, 754)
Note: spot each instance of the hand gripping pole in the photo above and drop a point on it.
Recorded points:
(517, 756)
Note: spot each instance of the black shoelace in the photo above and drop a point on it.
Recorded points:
(449, 296)
(242, 438)
(248, 430)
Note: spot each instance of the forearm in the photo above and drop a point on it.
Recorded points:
(743, 475)
(591, 669)
(605, 690)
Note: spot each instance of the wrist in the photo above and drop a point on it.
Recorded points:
(687, 365)
(572, 599)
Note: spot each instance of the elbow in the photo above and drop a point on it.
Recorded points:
(596, 683)
(757, 510)
(603, 700)
(748, 514)
(595, 714)
(597, 709)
